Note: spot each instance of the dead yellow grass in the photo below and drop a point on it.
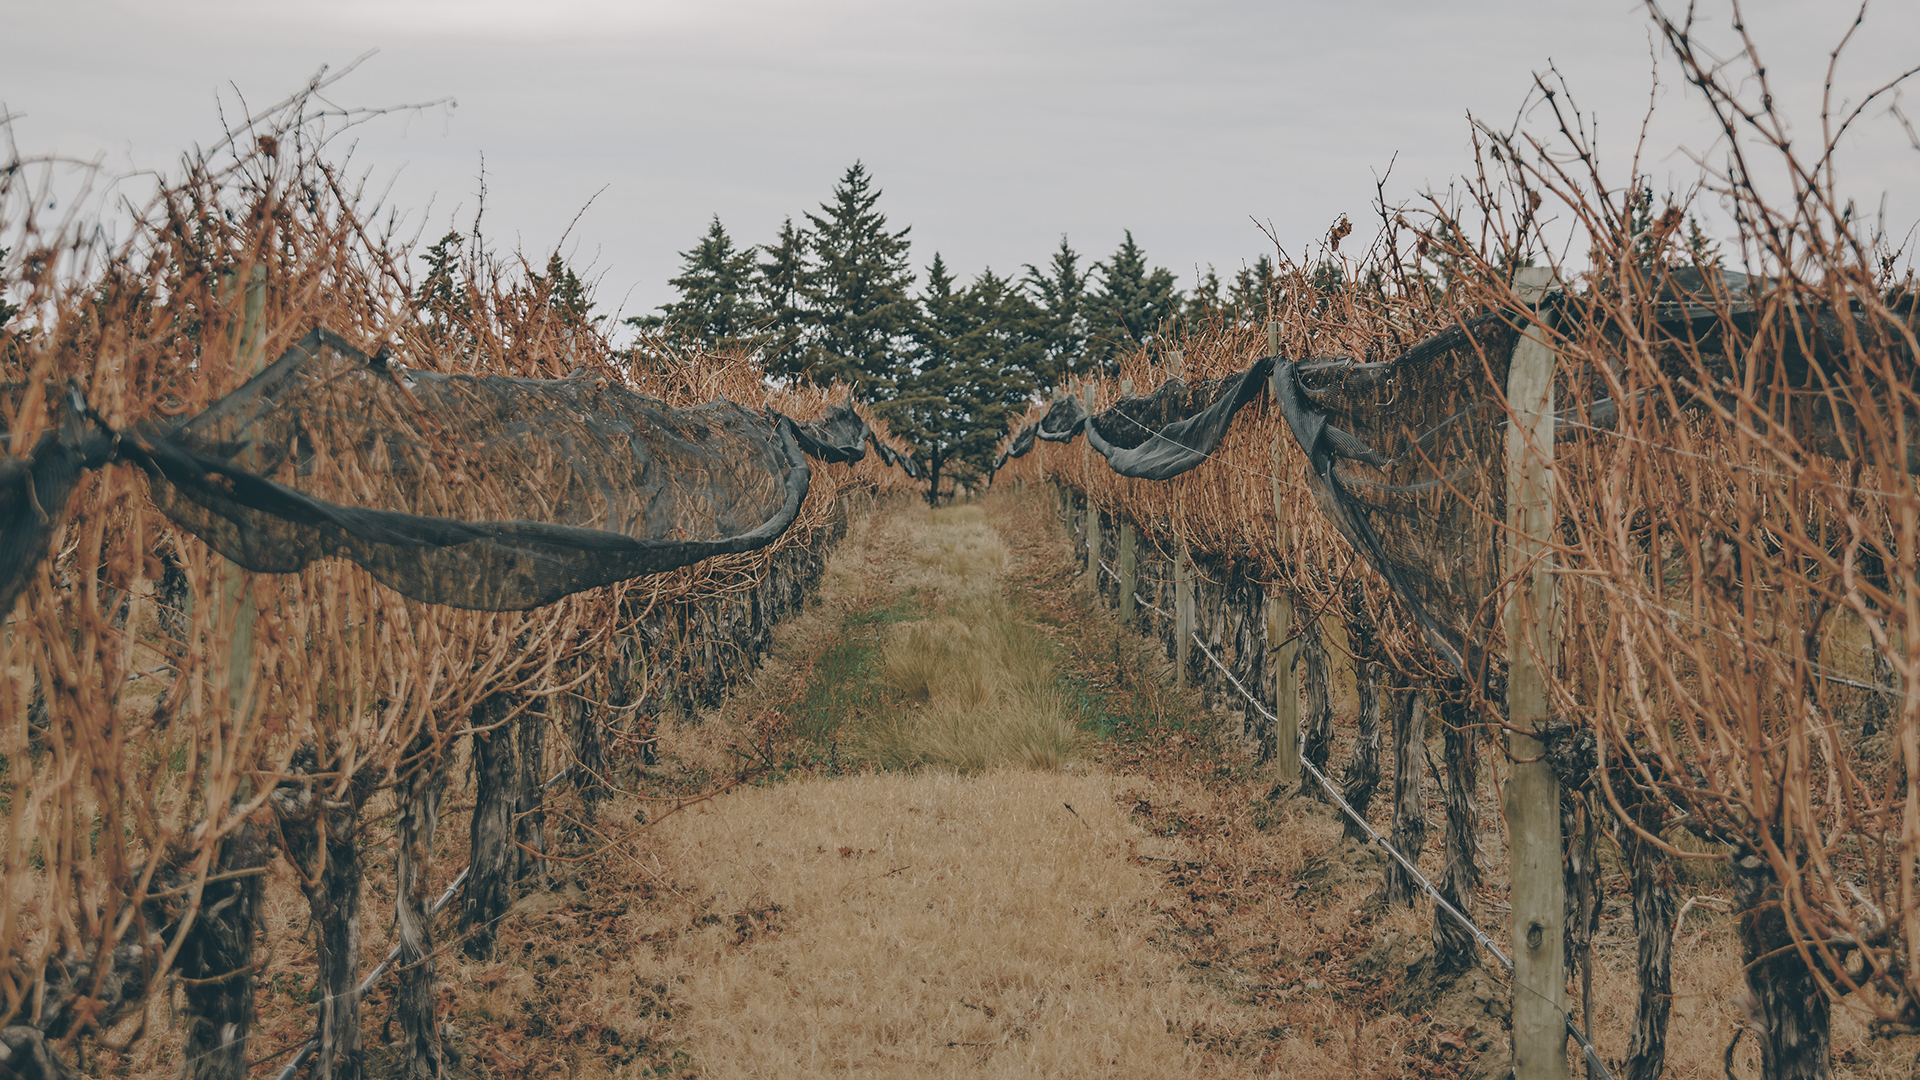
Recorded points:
(971, 689)
(928, 924)
(957, 555)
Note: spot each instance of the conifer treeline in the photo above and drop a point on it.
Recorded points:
(834, 297)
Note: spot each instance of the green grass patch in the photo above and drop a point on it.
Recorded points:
(843, 687)
(951, 675)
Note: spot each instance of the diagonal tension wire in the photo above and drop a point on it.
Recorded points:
(1587, 1048)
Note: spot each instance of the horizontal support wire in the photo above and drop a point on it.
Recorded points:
(1676, 615)
(1479, 935)
(1757, 470)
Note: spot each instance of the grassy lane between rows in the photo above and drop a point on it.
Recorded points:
(943, 884)
(980, 836)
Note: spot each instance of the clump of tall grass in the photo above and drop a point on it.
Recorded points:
(971, 685)
(957, 557)
(971, 690)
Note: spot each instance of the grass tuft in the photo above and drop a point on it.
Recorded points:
(971, 690)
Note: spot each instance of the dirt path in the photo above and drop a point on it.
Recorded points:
(999, 920)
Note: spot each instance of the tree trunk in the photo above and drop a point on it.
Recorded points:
(1792, 1015)
(419, 796)
(322, 842)
(1316, 723)
(1409, 807)
(492, 859)
(216, 962)
(1454, 948)
(1651, 872)
(1363, 769)
(529, 813)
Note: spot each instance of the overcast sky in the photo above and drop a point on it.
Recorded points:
(993, 126)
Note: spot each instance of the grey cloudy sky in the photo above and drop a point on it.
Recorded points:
(993, 126)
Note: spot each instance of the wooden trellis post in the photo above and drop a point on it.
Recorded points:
(1283, 649)
(248, 360)
(1093, 508)
(1182, 614)
(1533, 794)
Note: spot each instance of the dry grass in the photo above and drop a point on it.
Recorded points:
(922, 924)
(973, 685)
(979, 690)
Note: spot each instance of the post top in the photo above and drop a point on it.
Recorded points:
(1531, 283)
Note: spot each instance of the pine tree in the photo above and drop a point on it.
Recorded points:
(974, 351)
(716, 305)
(777, 284)
(442, 297)
(1131, 308)
(562, 291)
(855, 292)
(1061, 296)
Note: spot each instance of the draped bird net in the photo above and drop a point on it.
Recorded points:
(481, 492)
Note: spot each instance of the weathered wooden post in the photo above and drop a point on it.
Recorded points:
(248, 359)
(1282, 647)
(1533, 794)
(1093, 508)
(1182, 615)
(216, 960)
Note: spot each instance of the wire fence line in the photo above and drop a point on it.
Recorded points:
(1441, 903)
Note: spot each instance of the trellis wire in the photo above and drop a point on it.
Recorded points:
(1326, 784)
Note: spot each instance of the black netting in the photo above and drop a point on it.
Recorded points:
(481, 492)
(34, 489)
(1155, 436)
(1158, 437)
(1407, 459)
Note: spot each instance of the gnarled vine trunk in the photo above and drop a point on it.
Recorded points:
(216, 960)
(529, 813)
(322, 837)
(1409, 808)
(1316, 722)
(1363, 768)
(1791, 1015)
(419, 797)
(1651, 873)
(1454, 948)
(493, 861)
